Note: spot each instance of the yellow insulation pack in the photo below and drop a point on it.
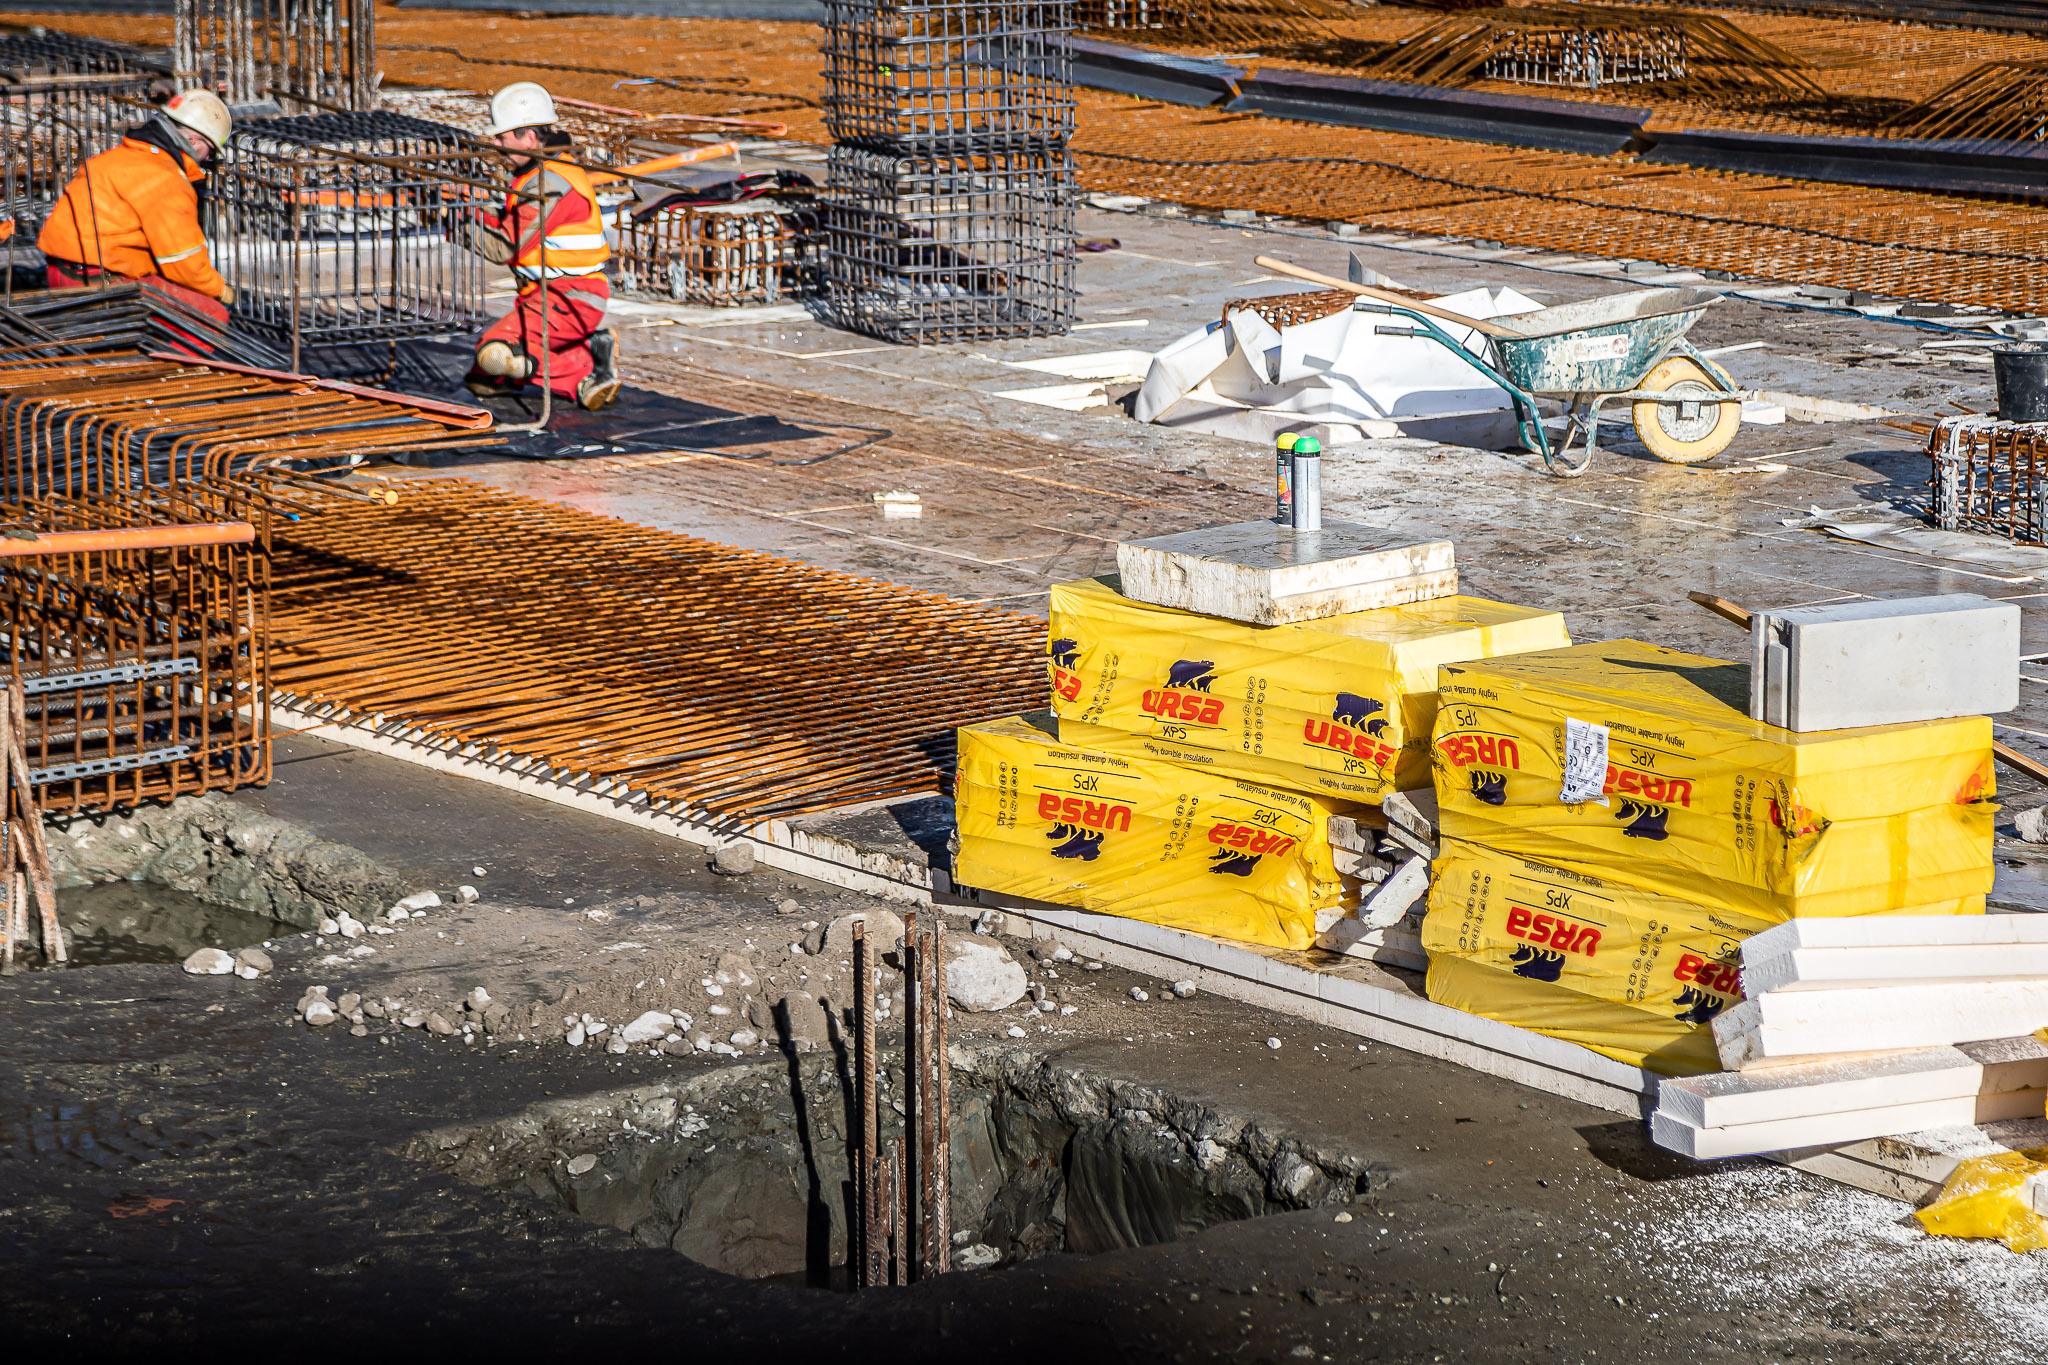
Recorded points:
(1676, 790)
(1060, 822)
(1342, 706)
(1625, 972)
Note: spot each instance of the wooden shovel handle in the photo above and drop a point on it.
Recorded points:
(1400, 300)
(2004, 753)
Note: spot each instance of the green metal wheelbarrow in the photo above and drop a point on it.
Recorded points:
(1625, 348)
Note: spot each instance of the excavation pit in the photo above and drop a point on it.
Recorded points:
(744, 1168)
(144, 922)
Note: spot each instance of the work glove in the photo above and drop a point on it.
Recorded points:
(227, 295)
(494, 247)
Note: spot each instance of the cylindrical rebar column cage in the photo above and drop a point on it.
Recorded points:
(62, 99)
(301, 53)
(341, 229)
(949, 199)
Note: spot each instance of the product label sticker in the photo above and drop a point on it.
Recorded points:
(1594, 348)
(1585, 762)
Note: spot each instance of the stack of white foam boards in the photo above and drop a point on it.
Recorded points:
(1387, 926)
(1865, 1027)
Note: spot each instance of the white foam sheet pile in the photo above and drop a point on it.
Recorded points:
(1337, 379)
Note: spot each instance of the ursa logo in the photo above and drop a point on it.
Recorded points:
(1723, 978)
(1074, 842)
(1644, 822)
(1564, 934)
(1064, 656)
(1665, 791)
(1491, 751)
(1537, 964)
(1700, 1008)
(1193, 674)
(1492, 788)
(1233, 864)
(1251, 839)
(1188, 706)
(1352, 729)
(1076, 810)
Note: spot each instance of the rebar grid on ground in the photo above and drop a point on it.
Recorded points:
(145, 668)
(304, 53)
(685, 672)
(339, 229)
(62, 99)
(1990, 477)
(951, 246)
(722, 255)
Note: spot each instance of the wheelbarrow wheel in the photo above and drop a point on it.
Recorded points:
(1685, 433)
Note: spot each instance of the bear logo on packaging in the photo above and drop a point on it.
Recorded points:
(1064, 653)
(1645, 822)
(1085, 844)
(1492, 788)
(1233, 864)
(1353, 710)
(1700, 1008)
(1537, 964)
(1193, 674)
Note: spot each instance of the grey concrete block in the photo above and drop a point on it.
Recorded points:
(1883, 662)
(1266, 574)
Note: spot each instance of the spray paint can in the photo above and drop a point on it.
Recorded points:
(1283, 475)
(1306, 484)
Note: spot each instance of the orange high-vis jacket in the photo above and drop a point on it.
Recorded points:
(574, 234)
(134, 210)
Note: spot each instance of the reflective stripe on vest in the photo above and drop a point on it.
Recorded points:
(576, 248)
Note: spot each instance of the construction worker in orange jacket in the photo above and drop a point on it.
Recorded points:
(133, 210)
(557, 250)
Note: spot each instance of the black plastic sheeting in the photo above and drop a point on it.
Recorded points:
(794, 11)
(1947, 166)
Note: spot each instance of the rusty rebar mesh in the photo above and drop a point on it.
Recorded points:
(1232, 25)
(722, 255)
(1291, 310)
(146, 669)
(1912, 246)
(1990, 477)
(685, 671)
(1996, 100)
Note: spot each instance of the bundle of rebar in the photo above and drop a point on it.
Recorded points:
(128, 316)
(344, 228)
(1587, 47)
(1991, 477)
(2001, 100)
(62, 100)
(902, 1184)
(301, 53)
(137, 631)
(667, 671)
(949, 198)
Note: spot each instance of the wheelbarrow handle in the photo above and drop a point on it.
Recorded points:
(1332, 282)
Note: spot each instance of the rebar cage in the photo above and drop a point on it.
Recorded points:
(951, 246)
(1990, 477)
(62, 99)
(722, 255)
(1588, 59)
(949, 68)
(341, 229)
(143, 669)
(302, 53)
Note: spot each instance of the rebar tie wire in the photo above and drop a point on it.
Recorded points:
(1551, 196)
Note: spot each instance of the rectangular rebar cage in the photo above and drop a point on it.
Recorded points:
(144, 670)
(949, 68)
(1590, 58)
(722, 255)
(950, 246)
(340, 229)
(62, 99)
(302, 53)
(1990, 477)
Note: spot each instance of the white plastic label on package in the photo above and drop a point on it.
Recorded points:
(1585, 762)
(1594, 348)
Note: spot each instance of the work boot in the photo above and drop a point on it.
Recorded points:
(601, 385)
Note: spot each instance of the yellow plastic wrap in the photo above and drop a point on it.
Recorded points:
(1060, 822)
(1692, 799)
(1341, 706)
(1983, 1198)
(1630, 973)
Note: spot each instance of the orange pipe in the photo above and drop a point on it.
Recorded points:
(128, 538)
(667, 163)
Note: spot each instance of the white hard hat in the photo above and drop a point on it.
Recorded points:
(522, 104)
(203, 112)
